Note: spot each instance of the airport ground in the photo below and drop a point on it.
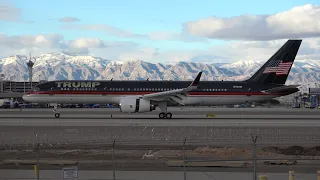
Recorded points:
(84, 137)
(153, 175)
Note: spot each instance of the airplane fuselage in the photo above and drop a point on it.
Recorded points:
(209, 93)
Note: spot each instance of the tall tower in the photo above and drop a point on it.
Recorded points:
(30, 67)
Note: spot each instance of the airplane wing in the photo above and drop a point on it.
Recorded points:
(174, 95)
(280, 89)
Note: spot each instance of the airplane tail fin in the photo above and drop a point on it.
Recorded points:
(277, 68)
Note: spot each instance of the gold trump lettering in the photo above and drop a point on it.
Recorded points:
(77, 84)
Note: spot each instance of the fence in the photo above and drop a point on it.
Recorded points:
(228, 158)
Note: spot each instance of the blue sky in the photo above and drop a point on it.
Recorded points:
(140, 18)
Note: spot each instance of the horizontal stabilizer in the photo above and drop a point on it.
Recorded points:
(281, 89)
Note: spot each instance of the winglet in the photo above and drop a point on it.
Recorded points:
(194, 84)
(197, 80)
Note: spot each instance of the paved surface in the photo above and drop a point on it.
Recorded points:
(148, 122)
(306, 174)
(178, 113)
(174, 110)
(96, 127)
(158, 135)
(272, 125)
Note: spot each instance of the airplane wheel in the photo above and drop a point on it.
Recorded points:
(162, 115)
(168, 115)
(57, 115)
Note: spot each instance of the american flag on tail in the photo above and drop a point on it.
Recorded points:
(282, 68)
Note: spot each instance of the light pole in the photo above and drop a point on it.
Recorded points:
(254, 140)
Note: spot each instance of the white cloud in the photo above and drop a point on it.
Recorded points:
(126, 50)
(69, 19)
(139, 54)
(175, 36)
(82, 45)
(299, 22)
(103, 28)
(86, 43)
(156, 35)
(44, 43)
(242, 50)
(9, 12)
(39, 41)
(263, 50)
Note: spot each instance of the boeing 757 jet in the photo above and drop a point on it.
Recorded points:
(144, 96)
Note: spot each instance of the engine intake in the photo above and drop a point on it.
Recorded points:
(131, 105)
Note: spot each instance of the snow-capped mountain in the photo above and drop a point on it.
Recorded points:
(53, 66)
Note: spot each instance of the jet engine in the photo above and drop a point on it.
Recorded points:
(133, 104)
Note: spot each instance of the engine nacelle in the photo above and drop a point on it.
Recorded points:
(132, 104)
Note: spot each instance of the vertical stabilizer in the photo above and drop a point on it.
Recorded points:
(277, 68)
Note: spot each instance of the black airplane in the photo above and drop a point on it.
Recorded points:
(144, 96)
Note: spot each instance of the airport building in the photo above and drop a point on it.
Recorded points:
(11, 86)
(315, 96)
(12, 89)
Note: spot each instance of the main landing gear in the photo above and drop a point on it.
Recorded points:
(165, 115)
(56, 112)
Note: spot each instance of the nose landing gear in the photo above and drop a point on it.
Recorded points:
(56, 112)
(57, 115)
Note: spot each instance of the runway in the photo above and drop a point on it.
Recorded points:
(155, 122)
(178, 113)
(274, 125)
(47, 112)
(187, 117)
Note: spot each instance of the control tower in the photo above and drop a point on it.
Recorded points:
(30, 67)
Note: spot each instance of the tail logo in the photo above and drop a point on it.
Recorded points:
(282, 68)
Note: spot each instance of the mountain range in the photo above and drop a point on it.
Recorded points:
(62, 66)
